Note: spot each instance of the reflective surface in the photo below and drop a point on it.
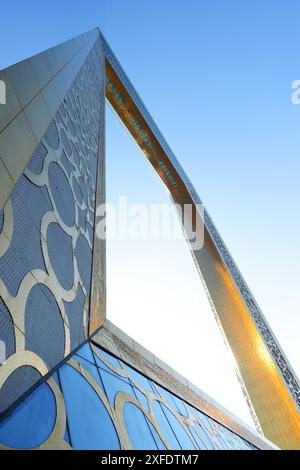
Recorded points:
(89, 423)
(109, 405)
(32, 422)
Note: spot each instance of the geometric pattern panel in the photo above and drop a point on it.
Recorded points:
(95, 401)
(46, 240)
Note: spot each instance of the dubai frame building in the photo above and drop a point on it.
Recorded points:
(70, 379)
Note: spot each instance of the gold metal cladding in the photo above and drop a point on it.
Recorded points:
(277, 413)
(276, 410)
(143, 135)
(272, 395)
(98, 288)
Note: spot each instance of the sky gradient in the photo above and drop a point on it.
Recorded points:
(216, 76)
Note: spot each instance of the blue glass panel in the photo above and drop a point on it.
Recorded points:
(110, 358)
(141, 398)
(159, 442)
(220, 437)
(140, 379)
(207, 422)
(209, 425)
(31, 423)
(166, 395)
(181, 434)
(197, 438)
(180, 405)
(165, 427)
(229, 438)
(93, 370)
(220, 444)
(113, 385)
(90, 425)
(86, 353)
(204, 436)
(67, 437)
(191, 410)
(137, 428)
(107, 369)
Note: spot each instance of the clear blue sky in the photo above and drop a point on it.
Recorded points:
(216, 76)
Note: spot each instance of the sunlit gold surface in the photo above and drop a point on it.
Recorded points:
(274, 407)
(98, 289)
(276, 411)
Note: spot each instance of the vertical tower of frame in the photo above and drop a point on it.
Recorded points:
(51, 172)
